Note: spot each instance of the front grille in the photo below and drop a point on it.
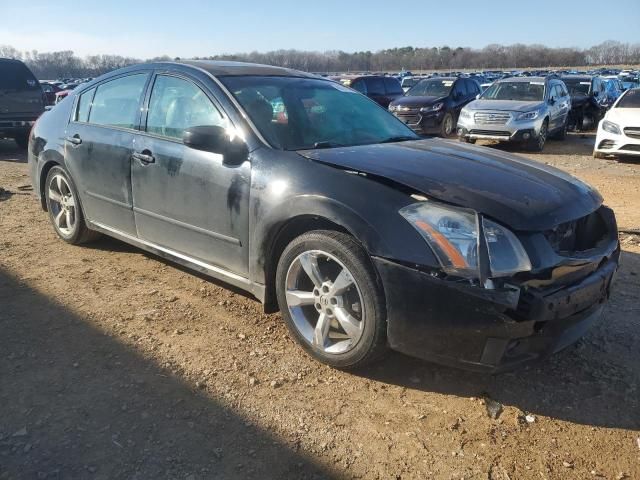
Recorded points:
(491, 118)
(605, 144)
(633, 132)
(493, 133)
(631, 148)
(408, 118)
(578, 235)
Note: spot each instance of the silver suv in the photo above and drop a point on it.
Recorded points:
(518, 109)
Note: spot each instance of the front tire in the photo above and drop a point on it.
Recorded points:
(446, 127)
(331, 299)
(65, 211)
(537, 143)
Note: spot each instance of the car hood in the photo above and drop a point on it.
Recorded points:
(625, 117)
(504, 105)
(416, 101)
(523, 194)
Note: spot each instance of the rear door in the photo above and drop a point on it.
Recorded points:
(186, 200)
(98, 147)
(20, 92)
(458, 96)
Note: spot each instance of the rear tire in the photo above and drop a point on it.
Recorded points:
(22, 141)
(65, 211)
(562, 134)
(305, 303)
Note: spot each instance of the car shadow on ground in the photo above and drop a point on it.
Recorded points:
(594, 382)
(78, 403)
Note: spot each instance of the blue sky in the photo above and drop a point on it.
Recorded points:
(188, 28)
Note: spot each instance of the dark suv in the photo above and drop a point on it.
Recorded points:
(21, 101)
(588, 99)
(382, 90)
(433, 105)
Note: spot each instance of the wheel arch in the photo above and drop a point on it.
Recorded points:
(44, 171)
(325, 214)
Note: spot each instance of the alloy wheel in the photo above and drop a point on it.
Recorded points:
(448, 125)
(62, 204)
(325, 302)
(542, 137)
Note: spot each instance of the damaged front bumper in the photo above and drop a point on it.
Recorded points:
(488, 330)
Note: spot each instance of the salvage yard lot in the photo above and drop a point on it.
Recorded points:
(117, 364)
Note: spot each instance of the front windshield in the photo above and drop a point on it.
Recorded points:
(295, 113)
(631, 99)
(431, 88)
(577, 86)
(524, 91)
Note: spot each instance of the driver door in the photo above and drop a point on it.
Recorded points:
(185, 200)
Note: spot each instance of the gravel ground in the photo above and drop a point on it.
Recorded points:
(116, 364)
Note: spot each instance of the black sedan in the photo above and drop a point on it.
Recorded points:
(317, 201)
(432, 106)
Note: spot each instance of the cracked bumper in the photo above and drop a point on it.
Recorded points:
(478, 329)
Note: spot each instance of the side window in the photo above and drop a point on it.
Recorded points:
(84, 105)
(117, 102)
(563, 89)
(360, 86)
(392, 86)
(375, 85)
(177, 104)
(459, 89)
(473, 87)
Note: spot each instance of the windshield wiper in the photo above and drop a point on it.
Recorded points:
(399, 138)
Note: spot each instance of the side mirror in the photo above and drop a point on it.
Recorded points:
(595, 94)
(552, 101)
(215, 139)
(478, 96)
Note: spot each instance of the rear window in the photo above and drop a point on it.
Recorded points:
(116, 102)
(375, 85)
(16, 76)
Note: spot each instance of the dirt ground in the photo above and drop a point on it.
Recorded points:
(116, 364)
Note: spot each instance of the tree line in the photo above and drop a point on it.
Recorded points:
(66, 64)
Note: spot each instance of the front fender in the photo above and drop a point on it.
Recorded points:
(268, 227)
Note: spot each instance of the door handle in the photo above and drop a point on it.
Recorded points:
(145, 157)
(75, 140)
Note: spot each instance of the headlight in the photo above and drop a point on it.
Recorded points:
(433, 108)
(452, 233)
(465, 114)
(611, 127)
(392, 108)
(506, 254)
(528, 115)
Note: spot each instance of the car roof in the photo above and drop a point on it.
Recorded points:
(448, 79)
(524, 79)
(577, 77)
(227, 68)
